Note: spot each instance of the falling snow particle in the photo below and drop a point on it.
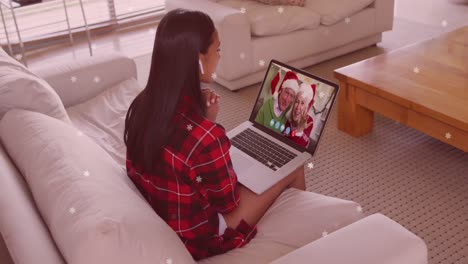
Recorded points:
(448, 135)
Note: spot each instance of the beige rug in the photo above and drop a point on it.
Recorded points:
(418, 181)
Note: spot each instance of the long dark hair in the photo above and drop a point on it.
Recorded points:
(174, 73)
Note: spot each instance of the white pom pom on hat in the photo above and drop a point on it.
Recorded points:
(291, 84)
(308, 91)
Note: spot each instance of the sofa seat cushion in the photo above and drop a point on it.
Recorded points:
(20, 88)
(295, 219)
(269, 20)
(103, 117)
(333, 11)
(93, 211)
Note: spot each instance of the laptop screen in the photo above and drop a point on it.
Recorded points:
(294, 105)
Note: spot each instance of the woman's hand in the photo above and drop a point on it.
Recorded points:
(211, 100)
(302, 124)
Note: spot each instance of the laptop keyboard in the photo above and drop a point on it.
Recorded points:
(262, 149)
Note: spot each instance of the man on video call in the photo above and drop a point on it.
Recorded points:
(272, 114)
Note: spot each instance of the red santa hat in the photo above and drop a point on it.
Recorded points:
(289, 81)
(308, 92)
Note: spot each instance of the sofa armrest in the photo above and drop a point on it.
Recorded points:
(25, 234)
(374, 239)
(78, 81)
(384, 14)
(234, 32)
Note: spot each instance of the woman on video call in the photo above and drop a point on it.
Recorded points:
(300, 123)
(178, 156)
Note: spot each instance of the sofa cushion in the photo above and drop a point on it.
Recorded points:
(374, 239)
(267, 20)
(20, 88)
(295, 219)
(93, 211)
(283, 2)
(333, 11)
(23, 230)
(103, 117)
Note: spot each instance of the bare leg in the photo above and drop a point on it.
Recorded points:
(252, 207)
(299, 181)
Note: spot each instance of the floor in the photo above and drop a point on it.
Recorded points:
(422, 182)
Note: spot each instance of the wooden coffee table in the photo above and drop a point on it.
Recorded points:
(424, 86)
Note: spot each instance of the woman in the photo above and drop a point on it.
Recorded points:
(178, 157)
(300, 124)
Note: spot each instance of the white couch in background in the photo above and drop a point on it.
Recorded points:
(252, 33)
(65, 196)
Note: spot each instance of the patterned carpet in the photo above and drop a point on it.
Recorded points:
(414, 179)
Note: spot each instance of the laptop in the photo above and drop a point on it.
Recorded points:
(264, 152)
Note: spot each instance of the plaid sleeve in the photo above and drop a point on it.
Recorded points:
(213, 172)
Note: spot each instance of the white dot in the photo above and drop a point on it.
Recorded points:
(242, 55)
(97, 79)
(448, 135)
(94, 46)
(86, 173)
(416, 70)
(359, 209)
(261, 63)
(214, 76)
(79, 133)
(19, 57)
(72, 210)
(310, 165)
(280, 10)
(347, 20)
(169, 261)
(324, 233)
(321, 94)
(243, 10)
(444, 23)
(73, 79)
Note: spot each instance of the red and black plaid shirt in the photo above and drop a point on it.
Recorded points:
(194, 182)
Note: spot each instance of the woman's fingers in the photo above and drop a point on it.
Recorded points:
(211, 98)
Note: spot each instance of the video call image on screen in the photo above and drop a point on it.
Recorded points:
(293, 105)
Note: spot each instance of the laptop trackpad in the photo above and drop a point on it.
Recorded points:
(240, 163)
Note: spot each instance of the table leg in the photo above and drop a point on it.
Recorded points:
(23, 56)
(88, 35)
(6, 32)
(353, 118)
(70, 35)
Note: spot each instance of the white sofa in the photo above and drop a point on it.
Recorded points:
(247, 34)
(65, 196)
